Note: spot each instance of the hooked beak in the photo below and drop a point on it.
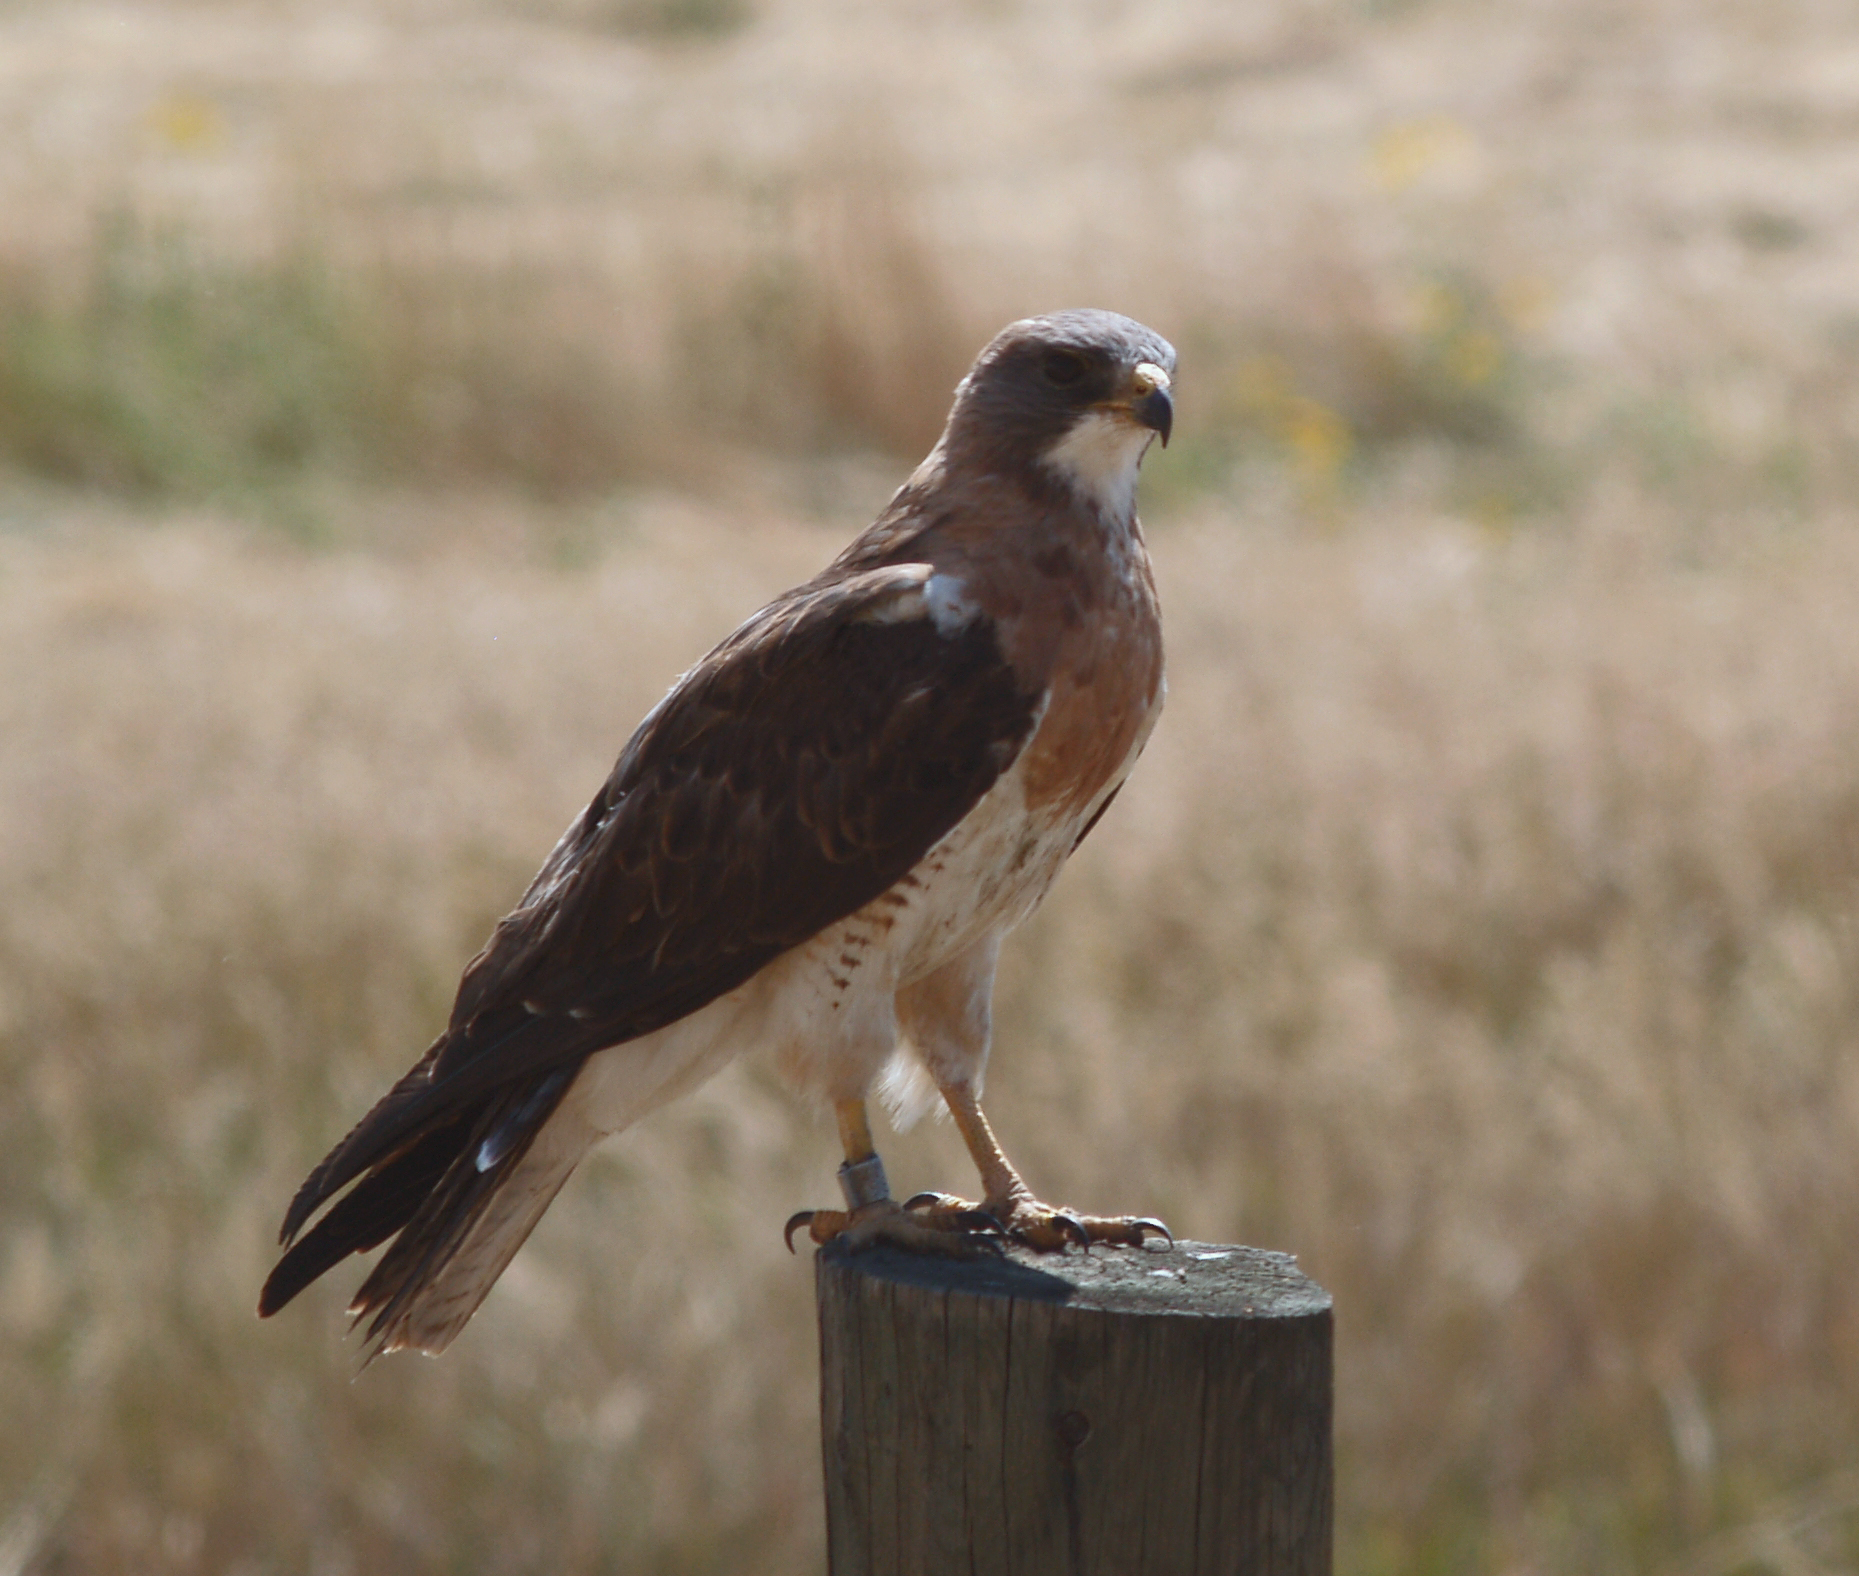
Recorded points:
(1149, 399)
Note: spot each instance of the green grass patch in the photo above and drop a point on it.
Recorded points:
(165, 370)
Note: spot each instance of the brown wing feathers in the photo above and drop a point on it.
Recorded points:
(798, 772)
(369, 1215)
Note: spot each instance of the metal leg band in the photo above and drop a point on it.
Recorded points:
(863, 1183)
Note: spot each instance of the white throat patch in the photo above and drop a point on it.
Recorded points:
(1100, 457)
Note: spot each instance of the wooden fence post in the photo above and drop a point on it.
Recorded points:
(1135, 1413)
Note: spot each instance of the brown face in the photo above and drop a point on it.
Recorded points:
(1046, 379)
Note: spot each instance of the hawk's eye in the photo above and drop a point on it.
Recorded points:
(1063, 368)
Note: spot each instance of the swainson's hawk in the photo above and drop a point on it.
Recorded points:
(815, 842)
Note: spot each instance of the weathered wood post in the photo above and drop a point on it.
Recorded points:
(1133, 1413)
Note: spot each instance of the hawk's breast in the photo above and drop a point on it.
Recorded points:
(1105, 687)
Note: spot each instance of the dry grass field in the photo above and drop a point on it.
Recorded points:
(393, 399)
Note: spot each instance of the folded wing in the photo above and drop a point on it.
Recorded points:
(795, 774)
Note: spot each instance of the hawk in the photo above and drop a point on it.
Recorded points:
(815, 842)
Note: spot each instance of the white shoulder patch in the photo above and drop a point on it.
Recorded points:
(948, 603)
(942, 599)
(1099, 457)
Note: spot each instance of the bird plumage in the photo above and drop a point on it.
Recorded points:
(859, 790)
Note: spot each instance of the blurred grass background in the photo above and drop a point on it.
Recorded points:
(393, 399)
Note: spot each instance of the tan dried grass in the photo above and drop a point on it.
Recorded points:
(1477, 928)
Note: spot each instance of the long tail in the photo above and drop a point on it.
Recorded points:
(458, 1197)
(443, 1264)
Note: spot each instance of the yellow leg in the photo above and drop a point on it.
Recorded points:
(871, 1215)
(1010, 1201)
(861, 1178)
(999, 1181)
(854, 1130)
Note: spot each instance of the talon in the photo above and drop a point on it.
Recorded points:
(1150, 1223)
(964, 1219)
(795, 1222)
(1067, 1225)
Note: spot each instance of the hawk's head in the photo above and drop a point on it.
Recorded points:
(1073, 397)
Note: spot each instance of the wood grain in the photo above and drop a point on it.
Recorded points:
(1129, 1413)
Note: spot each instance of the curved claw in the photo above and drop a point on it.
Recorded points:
(1069, 1226)
(1150, 1223)
(795, 1222)
(976, 1219)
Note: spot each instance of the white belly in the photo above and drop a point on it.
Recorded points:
(828, 1007)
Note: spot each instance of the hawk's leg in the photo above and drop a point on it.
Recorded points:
(1010, 1201)
(872, 1215)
